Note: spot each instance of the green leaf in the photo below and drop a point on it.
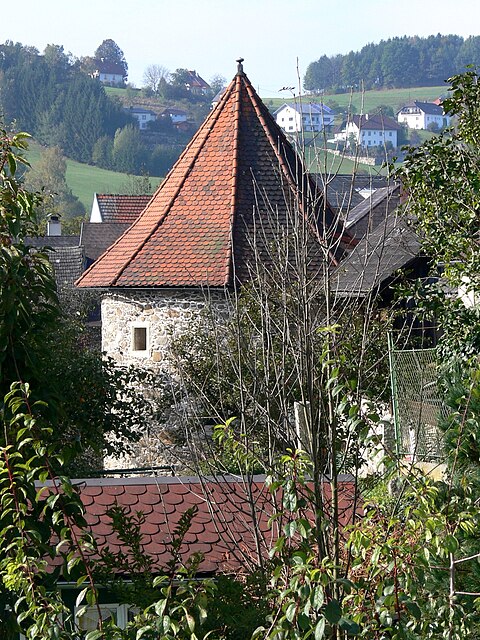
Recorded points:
(351, 627)
(414, 609)
(320, 629)
(333, 612)
(291, 611)
(317, 597)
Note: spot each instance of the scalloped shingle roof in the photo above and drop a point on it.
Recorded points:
(222, 528)
(237, 173)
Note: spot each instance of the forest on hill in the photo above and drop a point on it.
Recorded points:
(53, 97)
(407, 61)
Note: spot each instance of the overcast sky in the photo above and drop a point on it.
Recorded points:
(276, 37)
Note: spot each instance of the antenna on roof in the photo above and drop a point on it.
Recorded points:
(240, 67)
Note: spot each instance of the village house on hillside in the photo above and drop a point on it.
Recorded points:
(110, 73)
(196, 84)
(304, 116)
(369, 130)
(422, 115)
(142, 116)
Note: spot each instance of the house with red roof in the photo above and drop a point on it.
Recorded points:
(230, 527)
(196, 231)
(237, 186)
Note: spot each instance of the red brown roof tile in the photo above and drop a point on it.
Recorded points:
(237, 173)
(222, 528)
(121, 208)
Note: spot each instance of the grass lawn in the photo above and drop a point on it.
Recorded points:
(369, 100)
(320, 161)
(84, 180)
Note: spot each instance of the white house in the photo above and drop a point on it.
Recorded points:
(369, 131)
(303, 116)
(109, 73)
(176, 115)
(142, 116)
(419, 115)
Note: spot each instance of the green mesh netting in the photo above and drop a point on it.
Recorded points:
(417, 404)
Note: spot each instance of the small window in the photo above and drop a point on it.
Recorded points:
(140, 339)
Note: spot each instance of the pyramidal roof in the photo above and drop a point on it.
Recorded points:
(197, 229)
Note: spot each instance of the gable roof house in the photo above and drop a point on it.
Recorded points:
(304, 116)
(421, 115)
(142, 116)
(110, 73)
(196, 84)
(369, 130)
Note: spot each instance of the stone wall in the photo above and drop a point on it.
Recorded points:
(162, 315)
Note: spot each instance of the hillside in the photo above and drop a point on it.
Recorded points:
(84, 180)
(367, 101)
(407, 61)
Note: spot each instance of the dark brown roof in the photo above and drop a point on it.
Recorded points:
(97, 237)
(124, 209)
(105, 66)
(222, 529)
(377, 122)
(391, 246)
(363, 218)
(237, 173)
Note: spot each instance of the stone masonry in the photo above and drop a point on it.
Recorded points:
(163, 314)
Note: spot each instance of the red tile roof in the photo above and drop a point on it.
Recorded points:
(222, 529)
(236, 172)
(123, 209)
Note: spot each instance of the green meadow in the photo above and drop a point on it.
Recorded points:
(84, 180)
(367, 101)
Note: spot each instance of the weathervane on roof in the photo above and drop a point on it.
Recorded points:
(240, 66)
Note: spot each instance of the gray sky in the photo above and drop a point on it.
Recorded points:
(276, 37)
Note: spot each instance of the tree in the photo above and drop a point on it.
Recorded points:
(49, 176)
(109, 51)
(153, 76)
(56, 57)
(128, 150)
(217, 83)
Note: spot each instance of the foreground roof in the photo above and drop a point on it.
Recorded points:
(363, 218)
(344, 191)
(222, 528)
(239, 176)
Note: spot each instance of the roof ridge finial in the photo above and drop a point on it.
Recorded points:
(240, 71)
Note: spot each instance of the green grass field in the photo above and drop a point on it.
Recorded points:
(321, 161)
(84, 180)
(369, 100)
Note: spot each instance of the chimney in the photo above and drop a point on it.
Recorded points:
(54, 226)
